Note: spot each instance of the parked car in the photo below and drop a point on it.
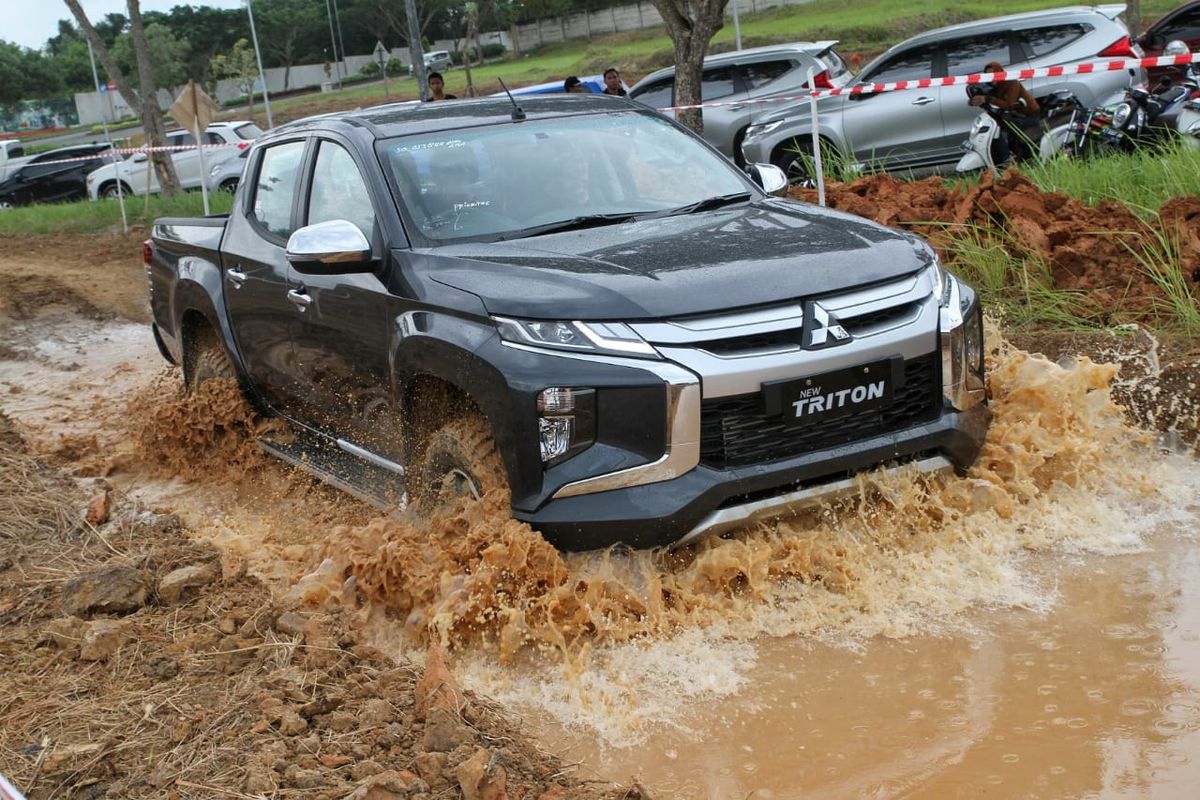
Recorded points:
(592, 83)
(923, 130)
(134, 172)
(747, 75)
(633, 344)
(50, 177)
(435, 61)
(226, 175)
(1182, 24)
(12, 155)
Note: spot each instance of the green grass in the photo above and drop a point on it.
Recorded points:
(1142, 180)
(105, 215)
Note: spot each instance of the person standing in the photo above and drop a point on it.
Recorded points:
(612, 83)
(437, 87)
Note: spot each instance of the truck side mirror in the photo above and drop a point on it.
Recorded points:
(336, 247)
(770, 178)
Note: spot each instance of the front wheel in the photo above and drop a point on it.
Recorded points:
(459, 460)
(229, 185)
(111, 191)
(795, 158)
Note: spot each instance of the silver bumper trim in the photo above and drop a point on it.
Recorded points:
(682, 451)
(727, 519)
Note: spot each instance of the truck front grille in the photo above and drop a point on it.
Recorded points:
(734, 431)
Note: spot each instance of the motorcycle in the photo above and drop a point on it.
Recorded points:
(1188, 125)
(990, 144)
(1142, 117)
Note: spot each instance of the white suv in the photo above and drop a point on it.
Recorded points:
(226, 140)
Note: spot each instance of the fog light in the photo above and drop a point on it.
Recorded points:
(556, 434)
(973, 344)
(566, 422)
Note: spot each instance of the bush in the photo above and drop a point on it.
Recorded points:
(369, 70)
(494, 50)
(396, 67)
(457, 56)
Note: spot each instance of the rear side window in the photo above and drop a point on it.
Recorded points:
(248, 131)
(658, 93)
(908, 66)
(213, 138)
(766, 71)
(717, 82)
(1042, 41)
(275, 187)
(972, 55)
(181, 139)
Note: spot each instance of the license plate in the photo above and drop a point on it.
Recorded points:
(831, 395)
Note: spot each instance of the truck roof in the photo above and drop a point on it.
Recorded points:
(399, 119)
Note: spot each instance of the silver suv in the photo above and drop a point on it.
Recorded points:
(746, 75)
(923, 130)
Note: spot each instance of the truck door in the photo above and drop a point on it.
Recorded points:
(341, 338)
(255, 285)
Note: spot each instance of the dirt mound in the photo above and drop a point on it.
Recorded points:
(137, 663)
(1085, 249)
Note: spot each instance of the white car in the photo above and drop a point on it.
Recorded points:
(136, 173)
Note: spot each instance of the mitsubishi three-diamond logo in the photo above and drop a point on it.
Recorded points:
(821, 329)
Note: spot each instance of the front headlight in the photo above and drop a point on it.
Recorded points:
(939, 281)
(762, 129)
(1121, 115)
(613, 338)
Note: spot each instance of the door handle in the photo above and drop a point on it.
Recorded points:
(738, 107)
(236, 276)
(922, 101)
(300, 298)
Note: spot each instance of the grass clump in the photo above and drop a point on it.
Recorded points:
(105, 215)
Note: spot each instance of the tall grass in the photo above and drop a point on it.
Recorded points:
(1159, 257)
(104, 216)
(1142, 180)
(1014, 279)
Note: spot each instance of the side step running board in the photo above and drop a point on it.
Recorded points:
(361, 473)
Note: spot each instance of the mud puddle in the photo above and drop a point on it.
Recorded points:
(1031, 628)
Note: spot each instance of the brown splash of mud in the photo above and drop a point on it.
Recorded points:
(201, 434)
(476, 578)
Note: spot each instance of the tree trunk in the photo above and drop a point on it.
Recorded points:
(514, 34)
(106, 60)
(691, 27)
(152, 121)
(587, 16)
(1133, 17)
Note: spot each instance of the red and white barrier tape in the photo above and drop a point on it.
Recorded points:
(962, 80)
(131, 150)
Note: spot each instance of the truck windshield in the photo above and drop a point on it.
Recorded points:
(512, 180)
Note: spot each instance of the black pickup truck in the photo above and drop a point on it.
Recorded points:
(576, 301)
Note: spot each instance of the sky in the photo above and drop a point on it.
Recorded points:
(37, 21)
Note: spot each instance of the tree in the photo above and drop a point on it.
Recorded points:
(691, 25)
(240, 66)
(168, 55)
(283, 26)
(145, 103)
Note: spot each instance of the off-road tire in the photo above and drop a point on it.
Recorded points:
(208, 360)
(459, 460)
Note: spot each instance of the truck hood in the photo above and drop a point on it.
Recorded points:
(761, 253)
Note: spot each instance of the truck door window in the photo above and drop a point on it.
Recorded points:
(907, 66)
(275, 187)
(339, 191)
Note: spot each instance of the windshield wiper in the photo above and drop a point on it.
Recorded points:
(572, 224)
(707, 204)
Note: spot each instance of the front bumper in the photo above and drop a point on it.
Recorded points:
(707, 500)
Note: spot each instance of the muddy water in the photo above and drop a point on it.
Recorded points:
(1028, 630)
